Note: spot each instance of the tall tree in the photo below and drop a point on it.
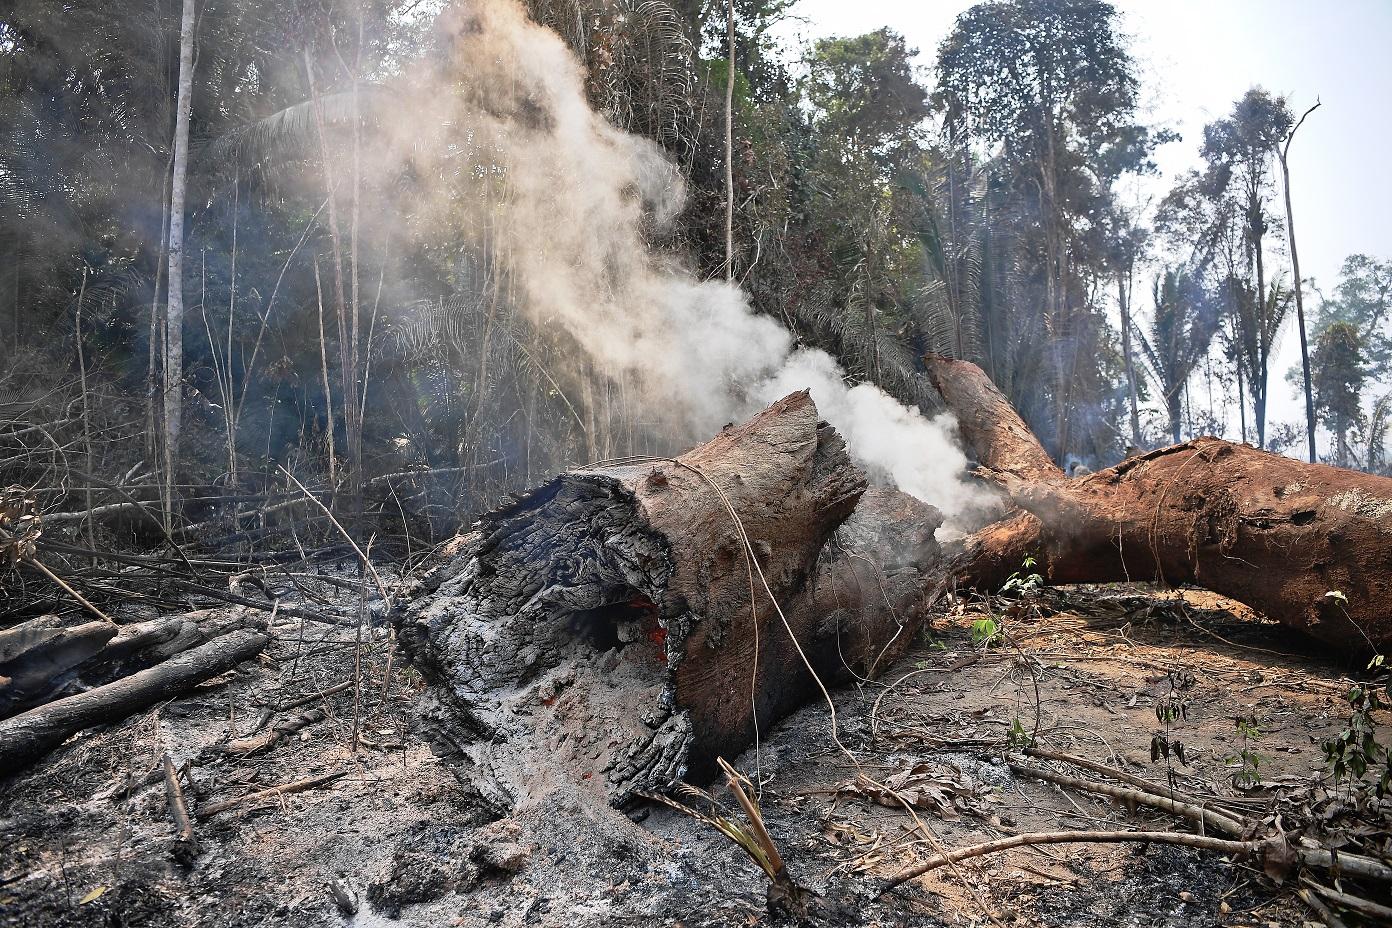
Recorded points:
(1182, 328)
(1239, 150)
(1050, 84)
(1338, 379)
(1284, 154)
(174, 313)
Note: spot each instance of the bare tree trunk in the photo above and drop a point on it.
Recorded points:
(730, 145)
(152, 369)
(174, 314)
(347, 371)
(1284, 153)
(1124, 299)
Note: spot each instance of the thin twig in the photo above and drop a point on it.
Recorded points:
(1221, 846)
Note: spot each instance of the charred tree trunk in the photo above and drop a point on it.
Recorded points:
(619, 628)
(624, 624)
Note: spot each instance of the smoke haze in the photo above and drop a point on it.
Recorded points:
(567, 206)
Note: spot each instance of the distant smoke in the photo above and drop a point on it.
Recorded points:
(561, 199)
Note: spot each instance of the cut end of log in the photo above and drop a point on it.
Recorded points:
(621, 625)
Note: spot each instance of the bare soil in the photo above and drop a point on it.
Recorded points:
(86, 836)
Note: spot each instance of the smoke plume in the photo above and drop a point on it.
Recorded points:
(565, 203)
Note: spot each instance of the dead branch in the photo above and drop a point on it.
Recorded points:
(1218, 845)
(186, 844)
(25, 737)
(267, 739)
(1208, 818)
(285, 789)
(1353, 903)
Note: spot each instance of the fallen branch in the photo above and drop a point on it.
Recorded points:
(1149, 786)
(186, 844)
(1322, 910)
(303, 700)
(1207, 818)
(28, 735)
(284, 789)
(1219, 845)
(1316, 858)
(1353, 903)
(267, 739)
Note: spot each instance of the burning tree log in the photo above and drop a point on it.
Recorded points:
(624, 623)
(621, 627)
(1306, 544)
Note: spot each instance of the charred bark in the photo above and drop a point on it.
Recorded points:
(621, 625)
(26, 736)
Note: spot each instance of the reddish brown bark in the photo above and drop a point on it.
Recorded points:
(1274, 533)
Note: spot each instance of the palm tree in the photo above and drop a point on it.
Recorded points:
(1181, 331)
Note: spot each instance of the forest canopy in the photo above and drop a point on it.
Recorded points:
(350, 313)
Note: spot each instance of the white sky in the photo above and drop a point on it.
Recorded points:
(1196, 57)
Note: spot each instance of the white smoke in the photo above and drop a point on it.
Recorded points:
(569, 197)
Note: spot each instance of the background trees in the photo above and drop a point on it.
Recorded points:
(348, 321)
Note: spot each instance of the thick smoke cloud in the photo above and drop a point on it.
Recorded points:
(569, 200)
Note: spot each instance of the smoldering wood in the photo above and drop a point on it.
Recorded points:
(25, 737)
(619, 628)
(614, 630)
(42, 659)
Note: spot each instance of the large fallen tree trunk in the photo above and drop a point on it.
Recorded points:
(624, 623)
(1306, 544)
(621, 627)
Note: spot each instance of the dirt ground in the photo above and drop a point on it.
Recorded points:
(86, 836)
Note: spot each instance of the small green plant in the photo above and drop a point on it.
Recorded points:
(1025, 580)
(1356, 751)
(1018, 738)
(1249, 730)
(985, 632)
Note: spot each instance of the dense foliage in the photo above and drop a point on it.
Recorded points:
(881, 212)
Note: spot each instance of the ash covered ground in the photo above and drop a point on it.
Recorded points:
(88, 837)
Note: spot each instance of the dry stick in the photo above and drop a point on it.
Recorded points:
(1355, 903)
(254, 744)
(1321, 858)
(187, 847)
(381, 587)
(1313, 901)
(38, 565)
(285, 789)
(1235, 848)
(273, 608)
(1140, 782)
(1207, 818)
(357, 661)
(322, 694)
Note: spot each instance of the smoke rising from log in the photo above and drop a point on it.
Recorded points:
(567, 205)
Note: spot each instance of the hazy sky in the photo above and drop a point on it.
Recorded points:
(1195, 58)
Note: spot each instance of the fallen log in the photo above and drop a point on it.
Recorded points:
(26, 736)
(1308, 545)
(627, 625)
(619, 628)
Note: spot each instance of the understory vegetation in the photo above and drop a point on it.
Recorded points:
(344, 324)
